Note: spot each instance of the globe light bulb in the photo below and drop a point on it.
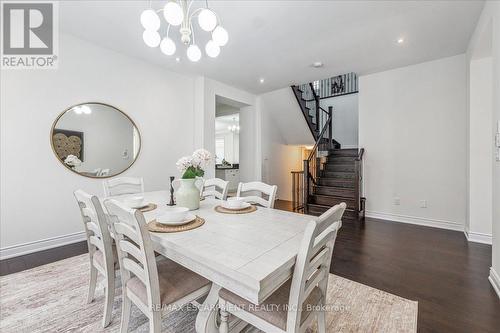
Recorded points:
(85, 109)
(207, 19)
(151, 38)
(220, 36)
(167, 46)
(194, 53)
(150, 20)
(78, 110)
(212, 49)
(173, 13)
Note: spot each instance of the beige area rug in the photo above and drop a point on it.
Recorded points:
(52, 298)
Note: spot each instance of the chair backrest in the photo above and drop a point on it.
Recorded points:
(96, 227)
(123, 185)
(103, 173)
(198, 183)
(312, 266)
(96, 172)
(210, 188)
(135, 250)
(268, 190)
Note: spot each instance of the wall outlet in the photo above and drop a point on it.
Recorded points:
(423, 203)
(397, 201)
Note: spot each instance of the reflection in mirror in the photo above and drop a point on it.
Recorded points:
(95, 140)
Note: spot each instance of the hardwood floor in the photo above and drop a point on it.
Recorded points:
(447, 275)
(438, 268)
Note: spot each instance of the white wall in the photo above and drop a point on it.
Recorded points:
(36, 192)
(490, 19)
(284, 129)
(206, 92)
(345, 119)
(412, 123)
(480, 150)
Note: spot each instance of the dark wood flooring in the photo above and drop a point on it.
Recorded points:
(447, 275)
(438, 268)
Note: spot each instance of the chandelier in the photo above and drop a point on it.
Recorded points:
(179, 13)
(235, 127)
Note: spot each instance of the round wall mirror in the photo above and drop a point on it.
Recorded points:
(95, 140)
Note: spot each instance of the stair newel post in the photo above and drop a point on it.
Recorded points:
(306, 184)
(330, 129)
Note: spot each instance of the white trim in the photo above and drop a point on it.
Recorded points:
(40, 245)
(478, 237)
(495, 280)
(428, 222)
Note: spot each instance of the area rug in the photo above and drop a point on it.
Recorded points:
(52, 298)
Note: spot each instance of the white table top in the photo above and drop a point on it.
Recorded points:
(250, 254)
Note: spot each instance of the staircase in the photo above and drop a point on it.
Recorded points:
(338, 181)
(331, 175)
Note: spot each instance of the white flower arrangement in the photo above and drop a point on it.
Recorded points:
(72, 161)
(192, 166)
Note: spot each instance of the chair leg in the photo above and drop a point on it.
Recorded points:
(224, 315)
(92, 283)
(321, 322)
(110, 297)
(126, 309)
(155, 322)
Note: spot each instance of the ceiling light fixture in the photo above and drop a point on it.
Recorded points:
(235, 127)
(180, 13)
(261, 80)
(317, 64)
(401, 40)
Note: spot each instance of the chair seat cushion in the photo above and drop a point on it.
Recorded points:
(274, 308)
(175, 280)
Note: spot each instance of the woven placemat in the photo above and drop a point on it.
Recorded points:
(220, 209)
(148, 208)
(154, 226)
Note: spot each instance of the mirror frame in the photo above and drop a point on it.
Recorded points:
(100, 103)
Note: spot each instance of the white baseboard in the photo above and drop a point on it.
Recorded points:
(443, 224)
(40, 245)
(495, 280)
(478, 237)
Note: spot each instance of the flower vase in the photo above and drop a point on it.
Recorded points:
(188, 195)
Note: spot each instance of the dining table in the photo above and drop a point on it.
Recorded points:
(249, 254)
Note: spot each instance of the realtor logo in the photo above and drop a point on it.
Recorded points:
(29, 34)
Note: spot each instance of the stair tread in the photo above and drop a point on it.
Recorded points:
(327, 206)
(332, 196)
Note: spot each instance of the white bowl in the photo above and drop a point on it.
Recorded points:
(234, 203)
(175, 214)
(134, 202)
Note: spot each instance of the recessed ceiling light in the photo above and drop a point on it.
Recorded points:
(317, 64)
(261, 80)
(178, 59)
(401, 40)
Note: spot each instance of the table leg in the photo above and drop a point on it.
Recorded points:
(206, 320)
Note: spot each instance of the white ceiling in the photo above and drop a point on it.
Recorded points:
(278, 40)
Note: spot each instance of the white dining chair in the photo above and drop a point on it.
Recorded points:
(123, 185)
(215, 187)
(103, 173)
(155, 287)
(262, 188)
(96, 172)
(102, 252)
(300, 300)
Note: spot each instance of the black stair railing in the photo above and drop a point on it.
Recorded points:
(312, 165)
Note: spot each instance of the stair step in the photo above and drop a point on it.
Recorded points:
(335, 190)
(340, 159)
(339, 167)
(338, 174)
(317, 210)
(344, 152)
(329, 200)
(337, 182)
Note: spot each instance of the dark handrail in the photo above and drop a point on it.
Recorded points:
(320, 136)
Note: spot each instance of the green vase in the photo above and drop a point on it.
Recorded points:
(188, 194)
